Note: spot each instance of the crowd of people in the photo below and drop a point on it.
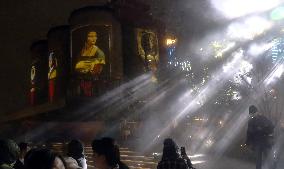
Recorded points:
(106, 155)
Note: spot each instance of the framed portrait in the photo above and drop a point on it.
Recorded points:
(148, 48)
(90, 47)
(90, 51)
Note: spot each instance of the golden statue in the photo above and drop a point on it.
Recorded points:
(148, 50)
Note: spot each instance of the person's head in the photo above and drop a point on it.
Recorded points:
(92, 38)
(170, 149)
(252, 110)
(108, 140)
(42, 158)
(24, 148)
(9, 151)
(106, 153)
(75, 149)
(112, 141)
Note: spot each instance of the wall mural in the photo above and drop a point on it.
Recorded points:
(33, 84)
(52, 75)
(148, 50)
(92, 58)
(90, 52)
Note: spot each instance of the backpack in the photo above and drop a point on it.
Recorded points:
(264, 125)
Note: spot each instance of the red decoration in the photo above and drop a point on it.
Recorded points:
(86, 86)
(32, 96)
(51, 89)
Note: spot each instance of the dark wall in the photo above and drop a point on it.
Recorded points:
(23, 22)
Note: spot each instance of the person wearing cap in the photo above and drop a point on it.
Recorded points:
(259, 134)
(9, 153)
(171, 158)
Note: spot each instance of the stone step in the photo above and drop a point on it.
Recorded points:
(131, 167)
(137, 158)
(136, 163)
(139, 162)
(134, 167)
(126, 152)
(131, 158)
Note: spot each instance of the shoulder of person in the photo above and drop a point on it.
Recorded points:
(263, 119)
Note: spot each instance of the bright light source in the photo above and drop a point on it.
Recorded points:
(242, 74)
(237, 8)
(209, 142)
(236, 95)
(221, 47)
(236, 59)
(247, 29)
(258, 49)
(249, 79)
(226, 68)
(277, 14)
(245, 67)
(279, 71)
(196, 155)
(229, 46)
(197, 162)
(276, 74)
(170, 42)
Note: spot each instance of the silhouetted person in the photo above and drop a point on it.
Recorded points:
(186, 158)
(42, 158)
(106, 154)
(171, 158)
(9, 153)
(24, 148)
(112, 141)
(75, 149)
(259, 134)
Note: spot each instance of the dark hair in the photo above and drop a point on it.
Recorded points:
(252, 109)
(107, 148)
(23, 146)
(170, 150)
(41, 158)
(75, 149)
(110, 140)
(9, 151)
